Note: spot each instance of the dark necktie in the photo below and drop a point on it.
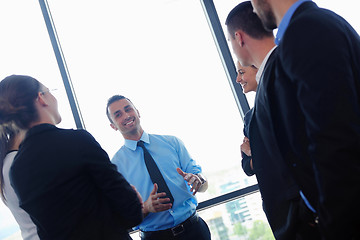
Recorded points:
(154, 172)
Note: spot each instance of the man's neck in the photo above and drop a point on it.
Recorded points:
(135, 136)
(280, 7)
(261, 49)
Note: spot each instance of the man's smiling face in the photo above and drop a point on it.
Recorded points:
(125, 118)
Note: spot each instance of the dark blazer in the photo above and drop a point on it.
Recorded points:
(245, 161)
(279, 192)
(315, 108)
(66, 183)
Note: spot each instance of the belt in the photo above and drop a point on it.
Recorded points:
(172, 232)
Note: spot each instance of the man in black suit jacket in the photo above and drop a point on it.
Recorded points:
(314, 106)
(253, 45)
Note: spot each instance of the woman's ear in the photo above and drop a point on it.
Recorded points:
(41, 99)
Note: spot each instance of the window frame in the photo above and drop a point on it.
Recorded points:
(229, 68)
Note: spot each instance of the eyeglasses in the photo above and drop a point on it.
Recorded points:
(48, 90)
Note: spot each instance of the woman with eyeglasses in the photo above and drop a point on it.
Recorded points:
(62, 177)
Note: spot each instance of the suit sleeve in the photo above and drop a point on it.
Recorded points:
(323, 70)
(245, 161)
(122, 198)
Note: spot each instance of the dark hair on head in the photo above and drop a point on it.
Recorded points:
(242, 17)
(17, 100)
(112, 100)
(17, 110)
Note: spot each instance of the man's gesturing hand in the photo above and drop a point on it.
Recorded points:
(192, 180)
(156, 202)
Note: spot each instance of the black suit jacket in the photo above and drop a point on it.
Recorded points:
(66, 183)
(315, 108)
(279, 192)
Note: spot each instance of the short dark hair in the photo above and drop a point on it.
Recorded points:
(242, 17)
(111, 100)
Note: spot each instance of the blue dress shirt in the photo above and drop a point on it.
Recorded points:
(169, 153)
(286, 19)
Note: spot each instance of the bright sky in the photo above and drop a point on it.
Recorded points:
(164, 60)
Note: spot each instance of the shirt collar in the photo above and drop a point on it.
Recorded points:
(132, 144)
(286, 19)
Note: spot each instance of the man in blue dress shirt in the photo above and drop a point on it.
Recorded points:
(162, 219)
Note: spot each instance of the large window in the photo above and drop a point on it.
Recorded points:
(26, 49)
(160, 54)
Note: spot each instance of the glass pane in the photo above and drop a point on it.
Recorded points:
(167, 65)
(241, 219)
(26, 49)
